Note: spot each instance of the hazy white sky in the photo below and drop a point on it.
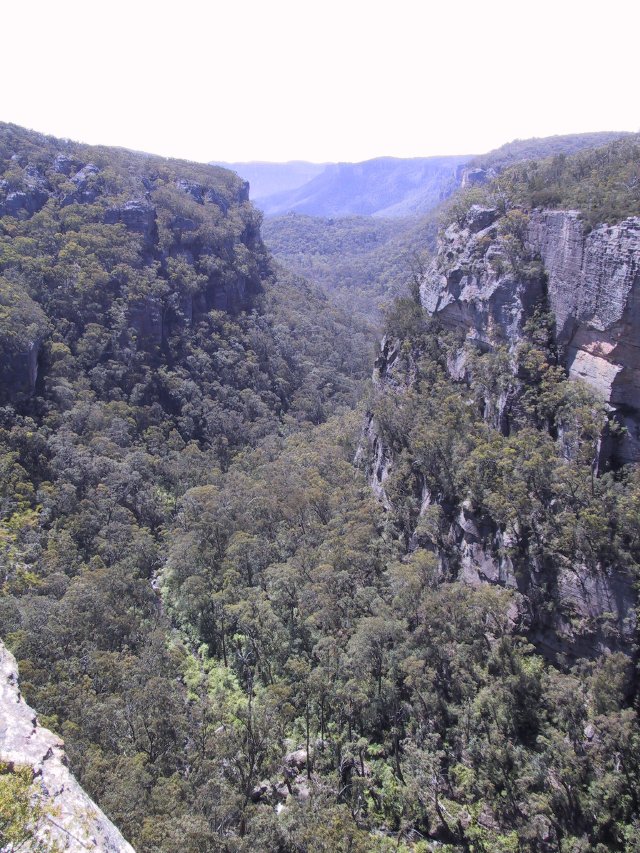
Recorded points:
(329, 80)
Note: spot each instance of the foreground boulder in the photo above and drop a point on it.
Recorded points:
(70, 820)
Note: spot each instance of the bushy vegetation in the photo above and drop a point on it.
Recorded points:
(540, 148)
(602, 183)
(22, 808)
(241, 648)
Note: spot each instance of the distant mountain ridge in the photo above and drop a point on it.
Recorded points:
(385, 186)
(267, 179)
(391, 186)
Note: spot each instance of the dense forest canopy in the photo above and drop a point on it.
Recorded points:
(242, 648)
(362, 263)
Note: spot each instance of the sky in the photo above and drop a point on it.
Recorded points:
(327, 80)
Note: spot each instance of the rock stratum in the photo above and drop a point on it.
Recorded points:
(71, 820)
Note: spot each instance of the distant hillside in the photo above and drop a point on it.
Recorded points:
(361, 261)
(266, 179)
(539, 147)
(390, 186)
(386, 186)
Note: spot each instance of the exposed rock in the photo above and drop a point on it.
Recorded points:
(65, 165)
(472, 287)
(146, 317)
(87, 186)
(182, 223)
(191, 188)
(479, 288)
(260, 791)
(296, 759)
(19, 370)
(479, 218)
(204, 195)
(23, 201)
(23, 328)
(591, 282)
(478, 563)
(376, 458)
(594, 293)
(475, 177)
(72, 820)
(137, 215)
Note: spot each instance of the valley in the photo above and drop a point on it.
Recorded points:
(321, 529)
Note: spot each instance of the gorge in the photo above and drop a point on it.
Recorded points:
(246, 639)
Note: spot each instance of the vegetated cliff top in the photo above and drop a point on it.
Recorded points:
(545, 146)
(126, 247)
(19, 146)
(121, 203)
(602, 183)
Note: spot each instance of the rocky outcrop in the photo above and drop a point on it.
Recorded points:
(472, 287)
(593, 285)
(21, 199)
(137, 215)
(19, 370)
(71, 820)
(484, 285)
(590, 283)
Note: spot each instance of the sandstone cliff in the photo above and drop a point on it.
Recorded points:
(485, 283)
(143, 246)
(593, 287)
(589, 281)
(71, 820)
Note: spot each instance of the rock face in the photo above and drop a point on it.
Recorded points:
(590, 282)
(72, 821)
(484, 285)
(472, 287)
(23, 328)
(594, 293)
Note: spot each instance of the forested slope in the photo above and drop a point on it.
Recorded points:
(361, 263)
(146, 342)
(243, 647)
